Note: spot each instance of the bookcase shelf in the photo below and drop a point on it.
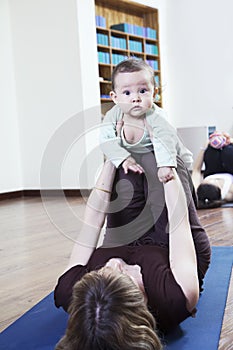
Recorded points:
(115, 45)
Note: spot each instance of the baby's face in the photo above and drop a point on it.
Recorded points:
(134, 93)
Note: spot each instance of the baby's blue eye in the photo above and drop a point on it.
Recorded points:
(127, 93)
(142, 91)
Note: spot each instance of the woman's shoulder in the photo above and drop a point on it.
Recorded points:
(64, 287)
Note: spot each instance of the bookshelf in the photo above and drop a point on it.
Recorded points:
(125, 28)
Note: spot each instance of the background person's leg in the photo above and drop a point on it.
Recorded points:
(213, 161)
(227, 158)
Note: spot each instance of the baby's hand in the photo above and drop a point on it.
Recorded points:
(131, 164)
(165, 174)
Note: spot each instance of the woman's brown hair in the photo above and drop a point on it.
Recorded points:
(108, 312)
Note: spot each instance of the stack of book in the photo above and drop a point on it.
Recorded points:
(116, 58)
(153, 63)
(102, 39)
(119, 43)
(135, 45)
(100, 21)
(136, 30)
(151, 49)
(103, 57)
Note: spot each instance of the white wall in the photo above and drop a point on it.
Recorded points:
(200, 69)
(51, 79)
(10, 160)
(50, 82)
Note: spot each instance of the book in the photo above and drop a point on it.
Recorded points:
(153, 63)
(100, 21)
(146, 32)
(117, 42)
(151, 49)
(103, 57)
(102, 39)
(135, 45)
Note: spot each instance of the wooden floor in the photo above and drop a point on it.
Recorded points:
(35, 242)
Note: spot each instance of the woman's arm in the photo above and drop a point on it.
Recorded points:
(182, 253)
(94, 217)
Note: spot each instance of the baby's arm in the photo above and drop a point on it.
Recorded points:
(165, 174)
(110, 140)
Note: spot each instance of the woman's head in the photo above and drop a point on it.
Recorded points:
(209, 196)
(108, 311)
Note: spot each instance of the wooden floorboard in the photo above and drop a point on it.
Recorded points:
(36, 238)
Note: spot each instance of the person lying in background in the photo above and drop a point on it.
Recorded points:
(121, 296)
(215, 186)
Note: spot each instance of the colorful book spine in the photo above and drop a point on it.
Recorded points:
(103, 57)
(135, 45)
(102, 39)
(157, 80)
(146, 32)
(104, 96)
(117, 58)
(122, 27)
(117, 42)
(153, 63)
(150, 33)
(152, 49)
(100, 21)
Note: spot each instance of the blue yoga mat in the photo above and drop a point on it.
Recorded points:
(43, 325)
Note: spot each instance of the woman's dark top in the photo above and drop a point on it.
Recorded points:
(166, 300)
(218, 160)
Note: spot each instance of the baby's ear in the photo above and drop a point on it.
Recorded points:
(113, 96)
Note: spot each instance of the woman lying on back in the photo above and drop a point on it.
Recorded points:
(215, 186)
(121, 296)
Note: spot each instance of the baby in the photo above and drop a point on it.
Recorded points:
(135, 124)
